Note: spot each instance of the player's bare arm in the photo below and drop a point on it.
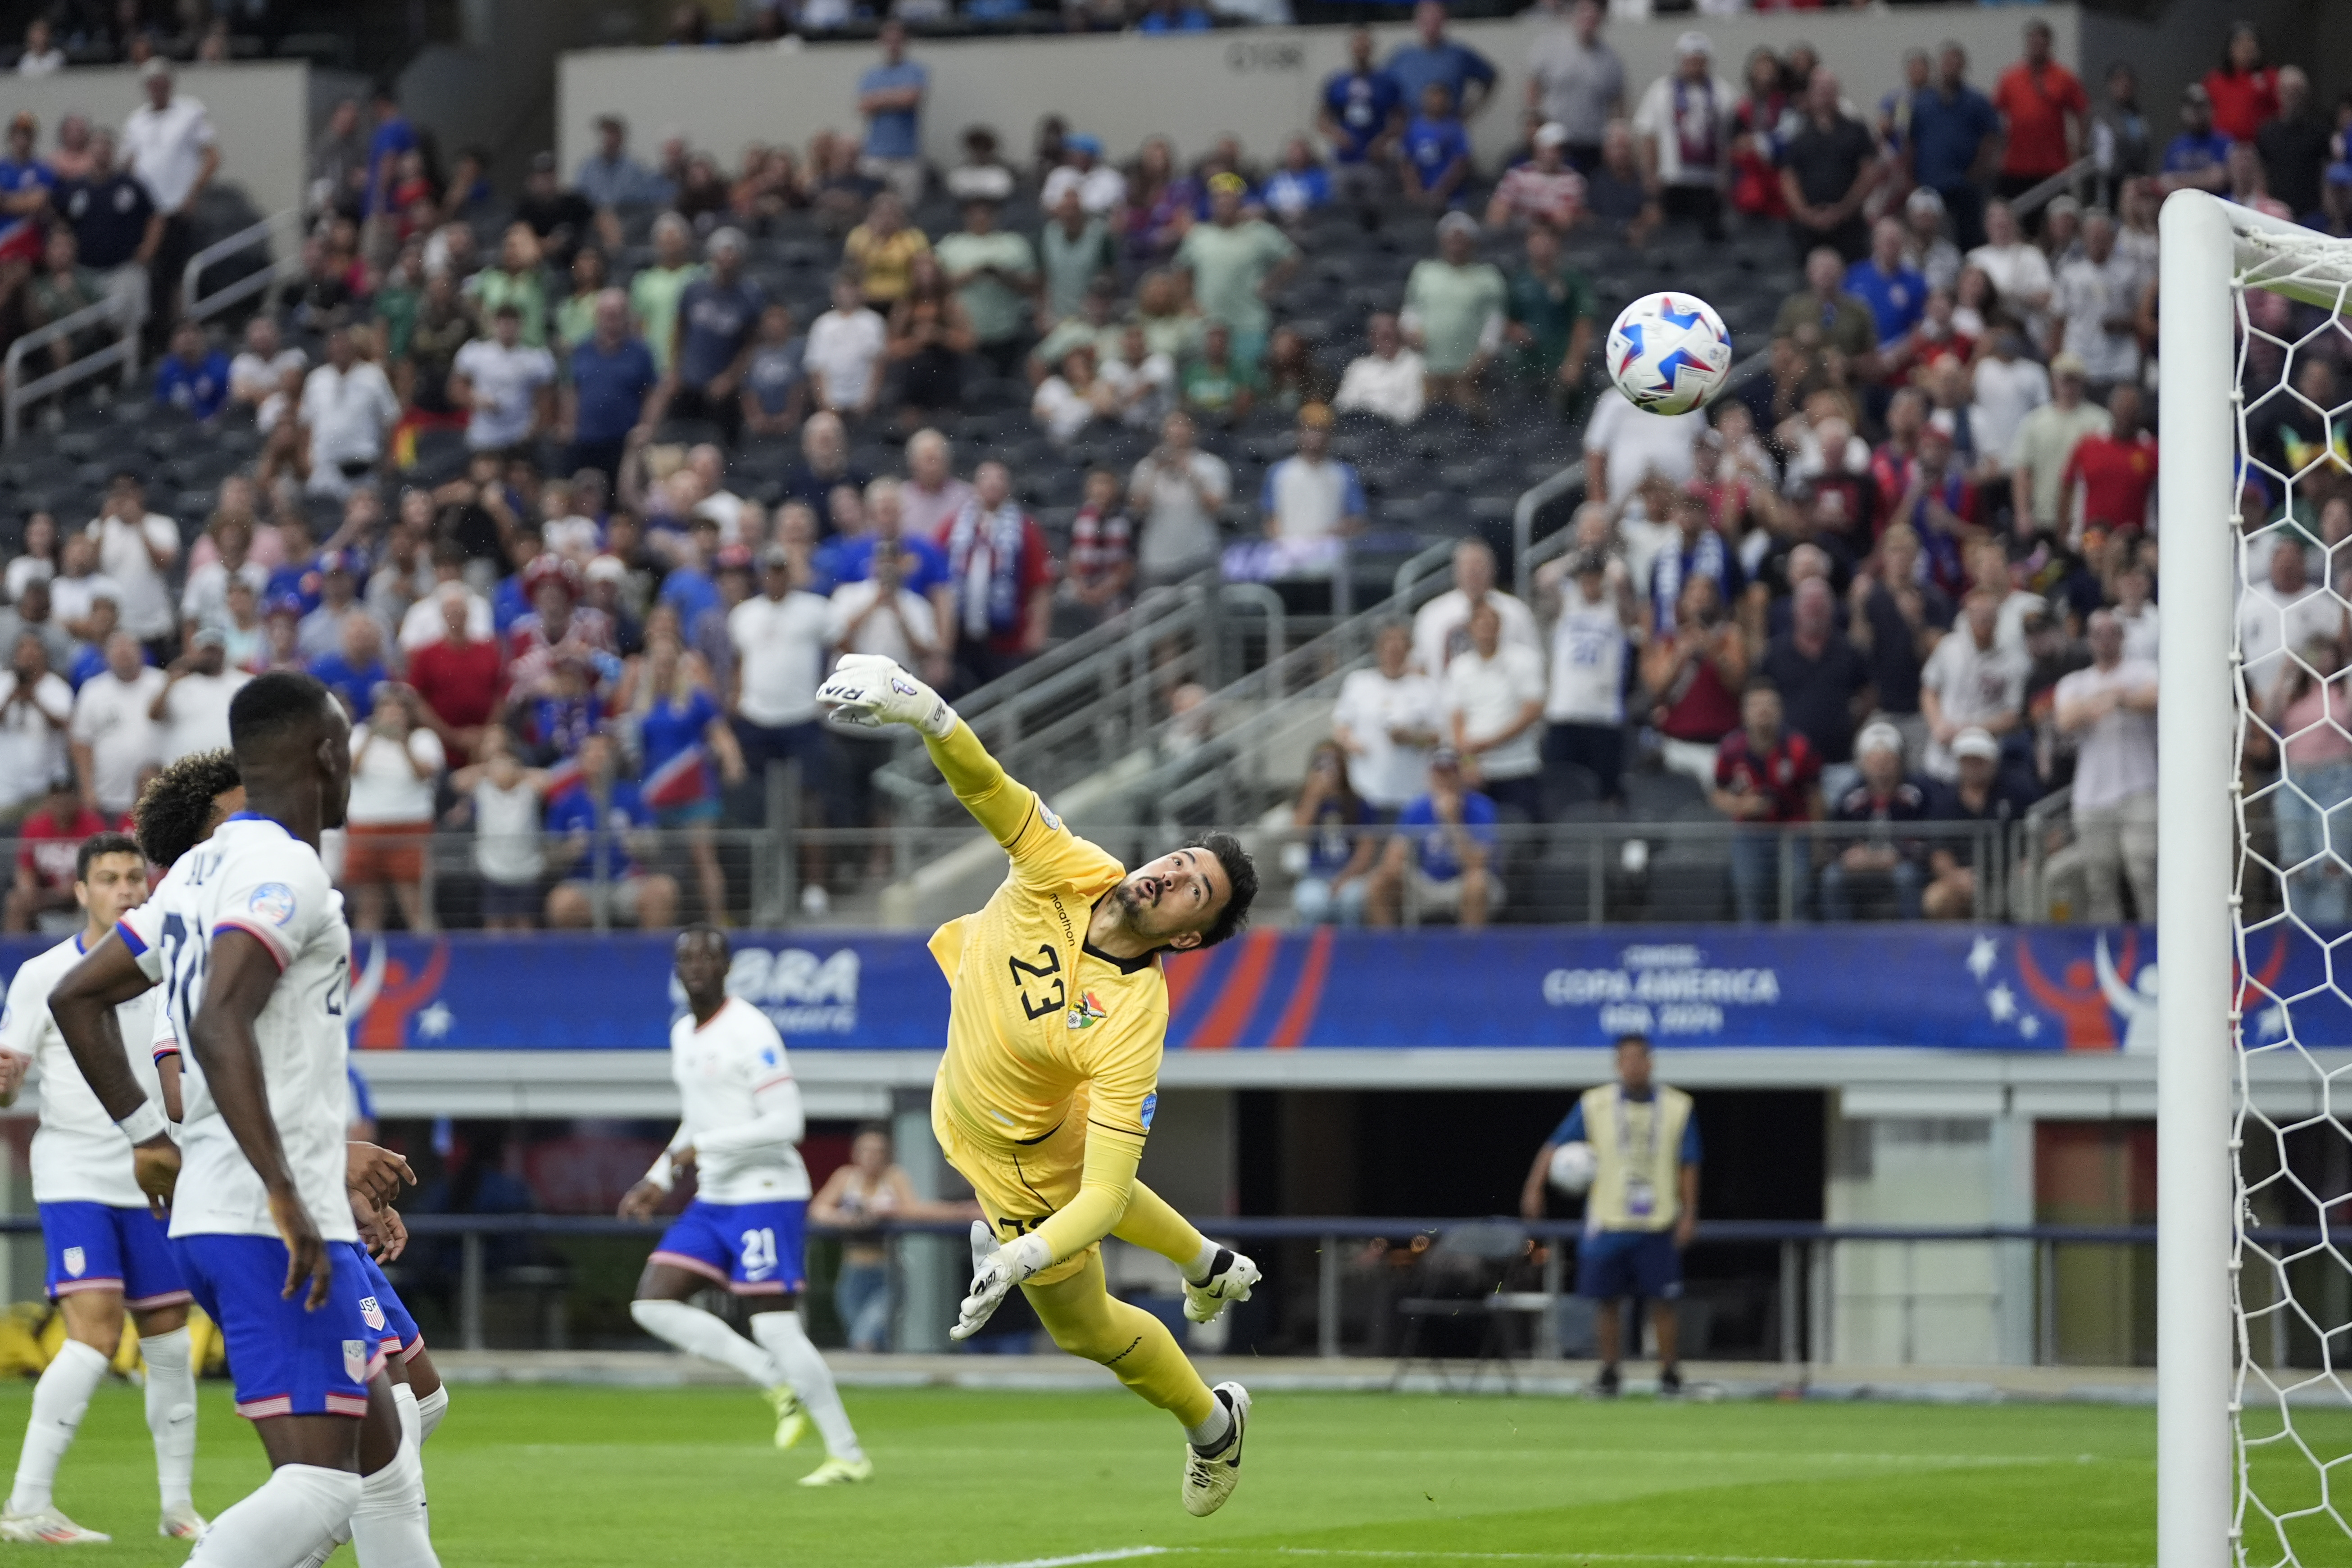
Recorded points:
(243, 974)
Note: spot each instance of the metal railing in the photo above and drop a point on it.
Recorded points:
(1594, 871)
(117, 313)
(1807, 1287)
(278, 262)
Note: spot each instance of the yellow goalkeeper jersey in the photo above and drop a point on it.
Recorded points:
(1036, 1015)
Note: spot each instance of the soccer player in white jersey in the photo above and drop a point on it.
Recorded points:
(738, 1131)
(255, 959)
(107, 1250)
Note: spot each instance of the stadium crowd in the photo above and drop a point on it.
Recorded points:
(573, 502)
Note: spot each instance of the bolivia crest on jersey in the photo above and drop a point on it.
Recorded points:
(1086, 1013)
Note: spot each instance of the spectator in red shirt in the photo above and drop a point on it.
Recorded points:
(2117, 470)
(1002, 579)
(1766, 775)
(47, 843)
(2045, 112)
(2243, 86)
(459, 676)
(1102, 548)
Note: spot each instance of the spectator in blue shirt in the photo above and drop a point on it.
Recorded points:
(1444, 846)
(354, 670)
(611, 180)
(1898, 295)
(394, 136)
(890, 96)
(609, 391)
(1955, 137)
(716, 317)
(1436, 166)
(596, 822)
(1467, 76)
(1172, 17)
(2199, 157)
(1361, 117)
(849, 558)
(194, 379)
(25, 184)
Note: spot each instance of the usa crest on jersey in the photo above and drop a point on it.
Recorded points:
(355, 1360)
(76, 1260)
(372, 1313)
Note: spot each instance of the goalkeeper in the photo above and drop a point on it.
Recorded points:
(1046, 1090)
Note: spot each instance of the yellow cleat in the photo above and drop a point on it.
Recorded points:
(839, 1472)
(792, 1418)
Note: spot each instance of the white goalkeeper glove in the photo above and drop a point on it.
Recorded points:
(872, 690)
(994, 1271)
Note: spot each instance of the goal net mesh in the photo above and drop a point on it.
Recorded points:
(2292, 1274)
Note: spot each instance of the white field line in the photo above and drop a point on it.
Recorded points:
(1699, 1560)
(1117, 1554)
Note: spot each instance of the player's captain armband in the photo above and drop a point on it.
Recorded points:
(145, 1123)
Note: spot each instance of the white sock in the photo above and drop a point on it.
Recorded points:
(388, 1528)
(696, 1332)
(329, 1547)
(1203, 1264)
(171, 1413)
(277, 1526)
(430, 1408)
(412, 1421)
(59, 1400)
(787, 1343)
(1209, 1435)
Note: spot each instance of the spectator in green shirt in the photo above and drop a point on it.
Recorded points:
(1845, 321)
(995, 275)
(1074, 249)
(398, 298)
(575, 315)
(1453, 313)
(1217, 389)
(1551, 310)
(1238, 264)
(516, 280)
(62, 287)
(654, 290)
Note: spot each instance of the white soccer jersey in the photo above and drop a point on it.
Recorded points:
(740, 1107)
(254, 876)
(78, 1154)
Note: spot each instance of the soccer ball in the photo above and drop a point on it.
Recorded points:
(1669, 352)
(1572, 1167)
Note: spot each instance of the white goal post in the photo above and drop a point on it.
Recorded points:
(2237, 1483)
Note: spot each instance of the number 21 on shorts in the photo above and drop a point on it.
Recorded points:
(759, 1253)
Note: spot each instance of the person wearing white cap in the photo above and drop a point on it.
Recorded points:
(1928, 251)
(1977, 795)
(1684, 125)
(1453, 313)
(169, 144)
(1544, 189)
(1880, 862)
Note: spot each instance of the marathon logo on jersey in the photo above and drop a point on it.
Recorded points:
(800, 993)
(355, 1360)
(273, 901)
(372, 1312)
(76, 1260)
(1151, 1108)
(1086, 1013)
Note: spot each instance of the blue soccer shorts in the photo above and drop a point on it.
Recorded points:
(98, 1247)
(285, 1361)
(1613, 1264)
(384, 1312)
(753, 1249)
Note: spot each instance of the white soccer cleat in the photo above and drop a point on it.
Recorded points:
(839, 1473)
(47, 1528)
(1210, 1478)
(181, 1523)
(791, 1415)
(1230, 1279)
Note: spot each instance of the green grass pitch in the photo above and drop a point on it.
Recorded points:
(591, 1476)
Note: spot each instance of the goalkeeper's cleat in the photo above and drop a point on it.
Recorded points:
(792, 1417)
(1230, 1279)
(1210, 1478)
(837, 1472)
(181, 1522)
(47, 1528)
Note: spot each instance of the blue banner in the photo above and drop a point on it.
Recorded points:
(1948, 987)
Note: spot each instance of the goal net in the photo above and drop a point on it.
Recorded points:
(2256, 1060)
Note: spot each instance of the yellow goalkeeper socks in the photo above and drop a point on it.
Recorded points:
(1087, 1321)
(1149, 1223)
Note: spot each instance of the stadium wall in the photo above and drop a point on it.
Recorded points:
(260, 110)
(1259, 84)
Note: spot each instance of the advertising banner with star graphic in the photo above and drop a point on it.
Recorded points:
(1945, 988)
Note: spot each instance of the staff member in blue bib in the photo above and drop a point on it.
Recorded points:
(1642, 1207)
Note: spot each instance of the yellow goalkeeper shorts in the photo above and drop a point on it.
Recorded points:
(1022, 1185)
